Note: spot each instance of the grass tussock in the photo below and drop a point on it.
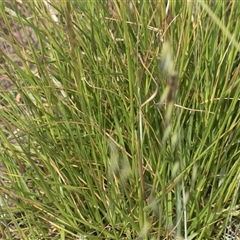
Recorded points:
(122, 121)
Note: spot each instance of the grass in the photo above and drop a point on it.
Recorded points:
(123, 122)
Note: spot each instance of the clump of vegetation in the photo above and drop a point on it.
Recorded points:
(122, 120)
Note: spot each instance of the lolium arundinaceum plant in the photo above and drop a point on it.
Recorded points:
(119, 120)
